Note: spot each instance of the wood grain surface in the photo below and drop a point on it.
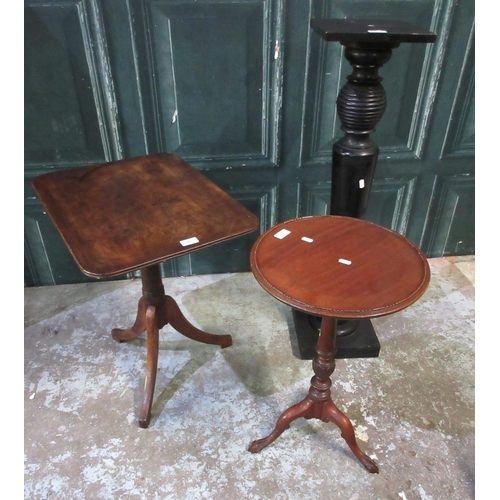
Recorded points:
(122, 216)
(344, 268)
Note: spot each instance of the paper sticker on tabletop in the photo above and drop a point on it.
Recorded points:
(189, 241)
(345, 261)
(281, 234)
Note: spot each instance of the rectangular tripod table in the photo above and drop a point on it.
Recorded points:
(134, 214)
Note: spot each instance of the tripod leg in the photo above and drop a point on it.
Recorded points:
(151, 365)
(182, 325)
(332, 414)
(303, 409)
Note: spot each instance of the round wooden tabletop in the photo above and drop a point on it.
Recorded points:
(339, 267)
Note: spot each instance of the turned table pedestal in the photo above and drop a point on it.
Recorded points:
(335, 267)
(132, 215)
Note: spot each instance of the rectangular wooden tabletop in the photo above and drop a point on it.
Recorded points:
(119, 217)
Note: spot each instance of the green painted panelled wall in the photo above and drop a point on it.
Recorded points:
(245, 91)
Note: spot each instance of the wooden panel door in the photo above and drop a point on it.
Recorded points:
(245, 91)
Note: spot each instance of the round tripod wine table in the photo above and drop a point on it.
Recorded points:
(335, 267)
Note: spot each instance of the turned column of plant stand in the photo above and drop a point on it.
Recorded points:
(360, 105)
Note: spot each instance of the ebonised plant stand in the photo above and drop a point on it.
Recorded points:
(360, 105)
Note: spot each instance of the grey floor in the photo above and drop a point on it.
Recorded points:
(412, 407)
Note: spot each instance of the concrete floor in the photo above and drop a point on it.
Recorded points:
(412, 407)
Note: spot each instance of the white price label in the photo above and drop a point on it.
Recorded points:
(189, 241)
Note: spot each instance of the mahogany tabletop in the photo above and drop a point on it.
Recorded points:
(122, 216)
(339, 267)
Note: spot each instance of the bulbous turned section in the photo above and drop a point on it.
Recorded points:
(362, 101)
(366, 61)
(360, 107)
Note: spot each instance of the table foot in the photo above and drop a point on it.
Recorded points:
(302, 409)
(138, 327)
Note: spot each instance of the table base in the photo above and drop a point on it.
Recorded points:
(155, 311)
(318, 402)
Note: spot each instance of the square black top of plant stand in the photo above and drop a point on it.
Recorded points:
(372, 31)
